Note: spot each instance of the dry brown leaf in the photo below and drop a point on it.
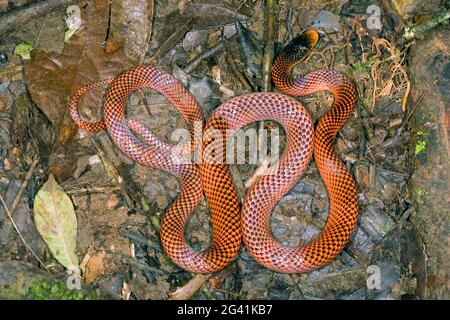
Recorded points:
(94, 267)
(112, 40)
(386, 92)
(207, 14)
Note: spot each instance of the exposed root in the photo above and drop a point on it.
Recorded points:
(389, 75)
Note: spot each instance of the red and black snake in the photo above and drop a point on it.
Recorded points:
(230, 221)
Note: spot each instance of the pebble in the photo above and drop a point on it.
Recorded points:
(3, 58)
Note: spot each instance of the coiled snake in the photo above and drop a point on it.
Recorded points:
(230, 221)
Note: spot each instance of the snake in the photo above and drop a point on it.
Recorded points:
(234, 223)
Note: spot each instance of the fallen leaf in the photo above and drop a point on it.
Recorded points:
(56, 222)
(88, 56)
(387, 89)
(207, 14)
(95, 267)
(211, 14)
(53, 78)
(45, 33)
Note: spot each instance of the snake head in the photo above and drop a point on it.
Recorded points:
(299, 48)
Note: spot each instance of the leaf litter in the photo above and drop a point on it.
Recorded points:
(127, 260)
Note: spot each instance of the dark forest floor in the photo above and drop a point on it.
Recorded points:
(395, 144)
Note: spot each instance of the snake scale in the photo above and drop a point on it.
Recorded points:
(232, 222)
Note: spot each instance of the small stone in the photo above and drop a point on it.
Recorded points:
(194, 38)
(326, 21)
(8, 164)
(3, 58)
(229, 30)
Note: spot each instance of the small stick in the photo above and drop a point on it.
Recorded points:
(20, 234)
(270, 9)
(268, 54)
(205, 55)
(288, 22)
(24, 186)
(412, 32)
(238, 184)
(172, 40)
(92, 190)
(232, 65)
(405, 123)
(145, 102)
(111, 165)
(190, 288)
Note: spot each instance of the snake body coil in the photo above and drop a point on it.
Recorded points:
(213, 177)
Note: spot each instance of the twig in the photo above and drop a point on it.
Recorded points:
(362, 134)
(404, 125)
(111, 165)
(412, 32)
(151, 12)
(238, 184)
(8, 212)
(232, 65)
(24, 185)
(19, 17)
(288, 23)
(268, 53)
(172, 40)
(145, 102)
(190, 288)
(205, 55)
(270, 9)
(92, 190)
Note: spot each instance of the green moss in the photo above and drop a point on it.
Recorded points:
(18, 288)
(22, 100)
(363, 103)
(421, 143)
(24, 50)
(420, 147)
(362, 67)
(421, 193)
(58, 291)
(386, 228)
